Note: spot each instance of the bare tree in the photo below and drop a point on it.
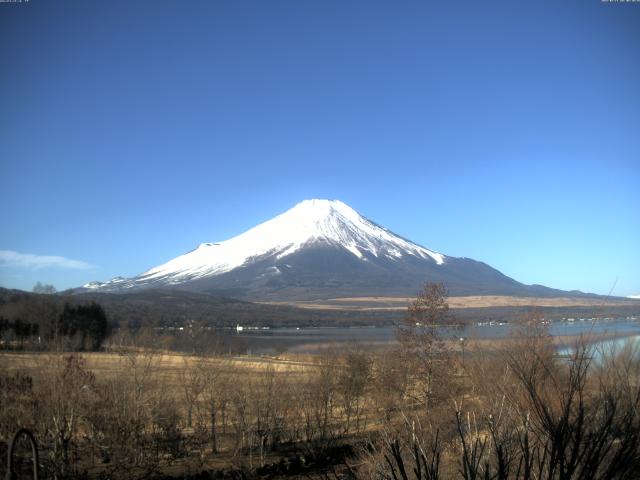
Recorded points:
(215, 395)
(390, 382)
(421, 340)
(352, 382)
(66, 393)
(192, 385)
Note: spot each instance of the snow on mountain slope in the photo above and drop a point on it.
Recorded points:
(310, 222)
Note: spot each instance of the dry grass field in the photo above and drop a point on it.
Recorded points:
(169, 366)
(157, 412)
(477, 301)
(174, 398)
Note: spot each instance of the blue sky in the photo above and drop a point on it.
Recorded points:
(508, 132)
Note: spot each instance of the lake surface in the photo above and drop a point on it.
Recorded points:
(310, 339)
(607, 348)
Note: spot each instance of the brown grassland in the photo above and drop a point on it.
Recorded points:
(287, 416)
(420, 408)
(476, 301)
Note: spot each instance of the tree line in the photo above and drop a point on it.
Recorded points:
(79, 327)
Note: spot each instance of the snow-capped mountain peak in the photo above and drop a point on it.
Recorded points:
(320, 249)
(309, 223)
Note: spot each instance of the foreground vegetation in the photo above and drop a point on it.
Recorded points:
(424, 409)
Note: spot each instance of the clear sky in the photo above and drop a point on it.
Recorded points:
(504, 131)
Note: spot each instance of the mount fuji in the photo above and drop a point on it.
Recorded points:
(320, 249)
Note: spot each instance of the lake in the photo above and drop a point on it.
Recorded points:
(310, 339)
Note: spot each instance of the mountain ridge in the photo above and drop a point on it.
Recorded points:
(320, 249)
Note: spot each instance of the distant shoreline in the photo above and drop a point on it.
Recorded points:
(460, 302)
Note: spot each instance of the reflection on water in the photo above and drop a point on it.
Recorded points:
(309, 339)
(608, 348)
